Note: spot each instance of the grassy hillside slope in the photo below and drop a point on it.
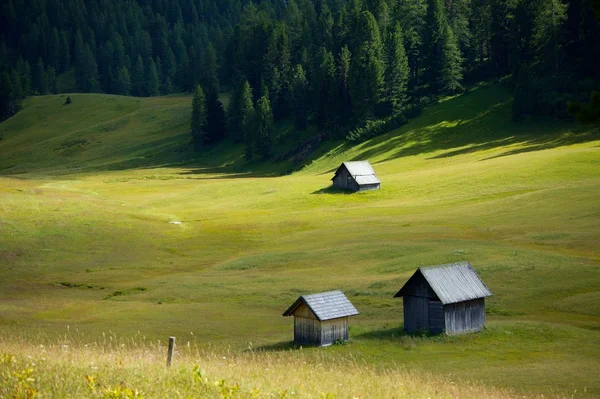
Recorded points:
(89, 240)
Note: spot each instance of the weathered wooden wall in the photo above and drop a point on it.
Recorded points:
(464, 317)
(344, 180)
(416, 313)
(332, 330)
(436, 317)
(308, 330)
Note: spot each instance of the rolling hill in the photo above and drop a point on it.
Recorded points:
(90, 193)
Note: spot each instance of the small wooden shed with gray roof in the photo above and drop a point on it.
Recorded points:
(321, 319)
(446, 298)
(356, 176)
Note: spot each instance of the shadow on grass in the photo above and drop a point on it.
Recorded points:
(397, 334)
(277, 347)
(333, 190)
(478, 121)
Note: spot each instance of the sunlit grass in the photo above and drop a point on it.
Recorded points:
(71, 366)
(88, 240)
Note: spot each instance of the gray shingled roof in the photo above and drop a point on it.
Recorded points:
(325, 305)
(359, 168)
(371, 179)
(361, 171)
(454, 282)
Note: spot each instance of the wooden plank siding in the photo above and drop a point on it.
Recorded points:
(344, 180)
(464, 317)
(333, 330)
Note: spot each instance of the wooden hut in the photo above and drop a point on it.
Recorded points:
(446, 298)
(321, 319)
(356, 176)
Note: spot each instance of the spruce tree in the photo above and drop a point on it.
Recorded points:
(25, 73)
(40, 83)
(299, 94)
(234, 109)
(138, 78)
(247, 119)
(65, 52)
(54, 52)
(17, 85)
(210, 77)
(264, 128)
(216, 128)
(123, 81)
(152, 82)
(366, 72)
(344, 99)
(90, 71)
(51, 80)
(168, 86)
(396, 70)
(324, 89)
(433, 43)
(450, 74)
(199, 119)
(501, 13)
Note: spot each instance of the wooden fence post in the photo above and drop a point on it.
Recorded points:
(171, 350)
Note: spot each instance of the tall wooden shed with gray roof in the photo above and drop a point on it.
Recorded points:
(356, 176)
(321, 319)
(447, 298)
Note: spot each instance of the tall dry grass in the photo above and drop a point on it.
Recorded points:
(71, 367)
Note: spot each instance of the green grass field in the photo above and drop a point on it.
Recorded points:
(88, 191)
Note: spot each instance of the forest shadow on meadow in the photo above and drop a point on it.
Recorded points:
(477, 121)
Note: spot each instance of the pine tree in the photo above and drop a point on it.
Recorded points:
(17, 86)
(54, 51)
(152, 82)
(90, 71)
(433, 43)
(123, 82)
(65, 52)
(450, 76)
(502, 13)
(25, 72)
(51, 80)
(210, 77)
(40, 82)
(247, 119)
(324, 89)
(168, 86)
(199, 119)
(396, 70)
(366, 72)
(216, 127)
(264, 128)
(344, 100)
(299, 93)
(234, 109)
(9, 104)
(138, 78)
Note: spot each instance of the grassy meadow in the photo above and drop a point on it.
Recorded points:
(109, 229)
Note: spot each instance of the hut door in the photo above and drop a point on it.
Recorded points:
(436, 317)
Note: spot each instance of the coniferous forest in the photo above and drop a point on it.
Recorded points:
(348, 68)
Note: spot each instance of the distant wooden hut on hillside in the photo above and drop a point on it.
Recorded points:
(321, 319)
(447, 298)
(356, 176)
